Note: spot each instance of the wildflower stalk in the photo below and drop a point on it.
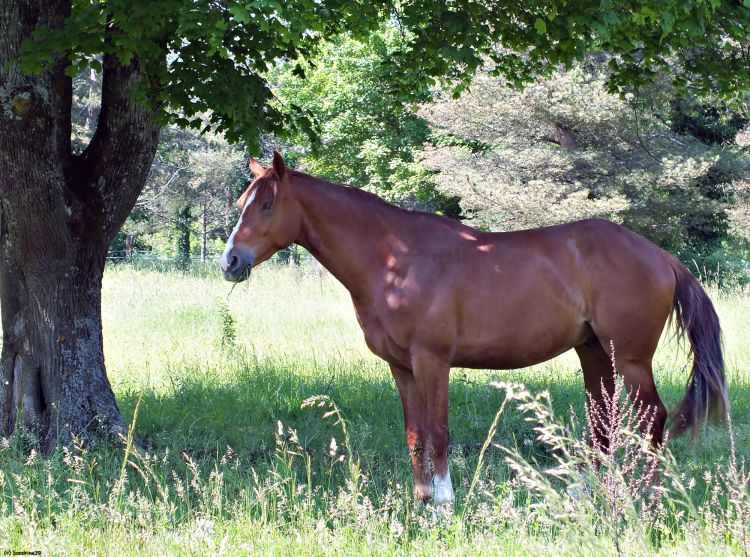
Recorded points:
(322, 401)
(490, 436)
(128, 448)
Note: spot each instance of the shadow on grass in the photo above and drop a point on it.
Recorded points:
(206, 409)
(201, 409)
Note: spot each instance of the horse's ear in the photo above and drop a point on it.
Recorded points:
(256, 168)
(278, 165)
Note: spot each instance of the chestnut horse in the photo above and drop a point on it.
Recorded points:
(431, 294)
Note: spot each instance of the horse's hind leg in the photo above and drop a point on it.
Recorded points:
(597, 377)
(638, 377)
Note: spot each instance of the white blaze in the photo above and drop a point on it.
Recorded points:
(230, 242)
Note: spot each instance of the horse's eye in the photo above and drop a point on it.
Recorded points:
(266, 206)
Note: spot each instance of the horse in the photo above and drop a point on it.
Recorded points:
(431, 293)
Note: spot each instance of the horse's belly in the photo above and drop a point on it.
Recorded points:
(516, 343)
(506, 359)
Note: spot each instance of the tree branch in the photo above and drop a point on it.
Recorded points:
(111, 172)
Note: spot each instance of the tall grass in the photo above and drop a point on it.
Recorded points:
(228, 461)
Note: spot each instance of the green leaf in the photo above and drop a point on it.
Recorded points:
(540, 26)
(240, 13)
(668, 22)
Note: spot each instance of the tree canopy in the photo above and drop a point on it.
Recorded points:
(365, 139)
(565, 149)
(201, 55)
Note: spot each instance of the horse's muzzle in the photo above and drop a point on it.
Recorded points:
(237, 275)
(235, 268)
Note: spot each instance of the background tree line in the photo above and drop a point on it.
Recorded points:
(671, 166)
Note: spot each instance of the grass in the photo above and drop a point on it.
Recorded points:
(228, 461)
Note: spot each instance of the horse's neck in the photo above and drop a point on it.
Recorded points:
(343, 231)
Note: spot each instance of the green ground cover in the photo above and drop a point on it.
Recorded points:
(229, 462)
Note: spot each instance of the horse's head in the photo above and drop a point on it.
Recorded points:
(270, 220)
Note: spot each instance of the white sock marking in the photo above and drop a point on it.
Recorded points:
(442, 489)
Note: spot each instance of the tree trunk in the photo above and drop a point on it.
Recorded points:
(183, 218)
(52, 358)
(58, 214)
(129, 240)
(565, 137)
(91, 105)
(204, 231)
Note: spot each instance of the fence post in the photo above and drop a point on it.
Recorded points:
(129, 246)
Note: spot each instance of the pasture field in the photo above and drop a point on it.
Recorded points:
(228, 462)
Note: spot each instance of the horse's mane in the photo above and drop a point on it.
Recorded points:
(348, 191)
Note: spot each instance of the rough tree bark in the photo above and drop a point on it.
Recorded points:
(58, 214)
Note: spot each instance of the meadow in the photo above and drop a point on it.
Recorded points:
(224, 458)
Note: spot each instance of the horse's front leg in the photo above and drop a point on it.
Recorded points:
(431, 376)
(416, 439)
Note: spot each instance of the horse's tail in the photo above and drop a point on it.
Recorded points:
(706, 395)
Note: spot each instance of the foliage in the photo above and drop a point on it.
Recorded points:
(193, 175)
(227, 324)
(212, 55)
(708, 119)
(87, 93)
(565, 149)
(366, 140)
(242, 69)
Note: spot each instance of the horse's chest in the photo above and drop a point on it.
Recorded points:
(384, 336)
